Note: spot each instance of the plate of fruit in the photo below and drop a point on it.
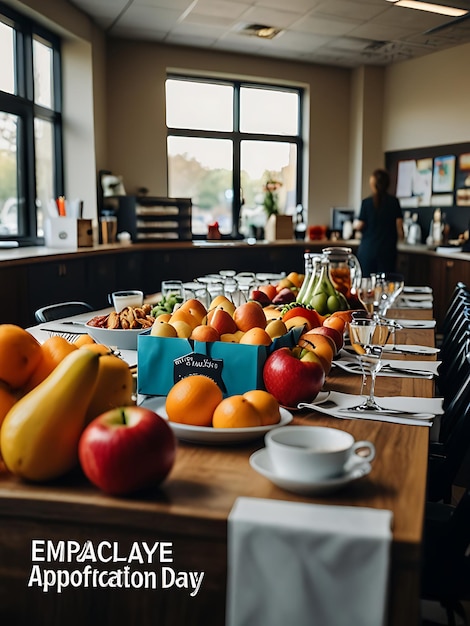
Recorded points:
(198, 413)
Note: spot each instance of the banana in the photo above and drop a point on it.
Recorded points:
(40, 434)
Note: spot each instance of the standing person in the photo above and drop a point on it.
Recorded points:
(381, 223)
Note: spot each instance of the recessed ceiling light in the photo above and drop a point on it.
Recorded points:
(430, 7)
(261, 30)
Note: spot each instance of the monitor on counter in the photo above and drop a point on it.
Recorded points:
(339, 215)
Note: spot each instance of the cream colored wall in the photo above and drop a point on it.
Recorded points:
(136, 128)
(426, 101)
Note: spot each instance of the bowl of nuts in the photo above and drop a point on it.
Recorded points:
(120, 330)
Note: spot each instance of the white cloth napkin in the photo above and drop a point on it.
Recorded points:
(415, 323)
(306, 564)
(428, 408)
(392, 367)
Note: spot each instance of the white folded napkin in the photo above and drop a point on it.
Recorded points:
(416, 297)
(405, 303)
(306, 564)
(392, 367)
(423, 410)
(415, 323)
(415, 290)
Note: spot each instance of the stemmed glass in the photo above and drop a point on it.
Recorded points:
(388, 287)
(365, 291)
(368, 337)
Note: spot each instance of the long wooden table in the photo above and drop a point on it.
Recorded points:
(190, 512)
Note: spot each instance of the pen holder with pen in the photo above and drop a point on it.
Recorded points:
(68, 232)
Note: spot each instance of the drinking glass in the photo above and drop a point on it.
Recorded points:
(388, 287)
(368, 337)
(365, 291)
(172, 288)
(196, 290)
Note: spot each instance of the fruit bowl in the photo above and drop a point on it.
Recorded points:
(123, 339)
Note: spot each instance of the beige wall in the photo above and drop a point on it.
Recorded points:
(427, 101)
(353, 117)
(136, 128)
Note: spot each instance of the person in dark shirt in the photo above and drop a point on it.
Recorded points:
(381, 224)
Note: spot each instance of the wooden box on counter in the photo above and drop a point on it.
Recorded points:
(279, 227)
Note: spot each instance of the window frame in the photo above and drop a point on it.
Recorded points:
(236, 136)
(22, 104)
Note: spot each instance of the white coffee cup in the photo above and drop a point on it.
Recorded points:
(121, 299)
(313, 453)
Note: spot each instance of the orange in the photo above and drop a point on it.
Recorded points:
(192, 400)
(180, 315)
(7, 400)
(236, 412)
(196, 308)
(20, 354)
(248, 315)
(205, 333)
(266, 405)
(337, 322)
(83, 339)
(324, 347)
(295, 278)
(53, 351)
(256, 337)
(344, 315)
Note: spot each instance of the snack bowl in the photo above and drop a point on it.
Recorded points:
(121, 338)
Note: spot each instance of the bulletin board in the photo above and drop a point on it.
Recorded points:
(424, 179)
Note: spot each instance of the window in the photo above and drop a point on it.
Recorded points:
(226, 141)
(30, 126)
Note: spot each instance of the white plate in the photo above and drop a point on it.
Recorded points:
(319, 398)
(209, 435)
(261, 463)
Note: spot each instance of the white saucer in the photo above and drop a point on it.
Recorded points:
(261, 463)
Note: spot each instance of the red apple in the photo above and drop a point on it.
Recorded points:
(330, 332)
(292, 377)
(260, 296)
(127, 449)
(284, 296)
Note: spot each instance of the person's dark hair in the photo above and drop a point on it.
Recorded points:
(382, 181)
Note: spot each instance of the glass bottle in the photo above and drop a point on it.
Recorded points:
(312, 271)
(345, 273)
(325, 298)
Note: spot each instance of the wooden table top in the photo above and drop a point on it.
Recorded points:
(206, 480)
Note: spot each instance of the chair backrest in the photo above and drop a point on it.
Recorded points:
(447, 457)
(60, 310)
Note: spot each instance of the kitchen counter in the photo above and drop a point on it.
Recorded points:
(38, 276)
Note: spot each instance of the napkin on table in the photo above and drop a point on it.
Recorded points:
(392, 367)
(306, 564)
(428, 407)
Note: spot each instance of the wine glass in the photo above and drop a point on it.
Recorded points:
(368, 337)
(388, 287)
(365, 291)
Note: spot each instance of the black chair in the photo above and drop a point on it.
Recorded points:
(447, 456)
(62, 309)
(445, 560)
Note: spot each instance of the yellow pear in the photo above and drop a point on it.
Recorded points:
(163, 329)
(114, 386)
(40, 433)
(224, 303)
